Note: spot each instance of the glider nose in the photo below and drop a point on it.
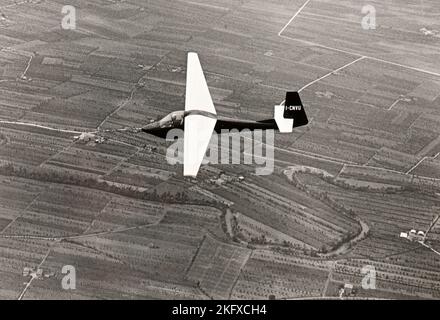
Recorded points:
(151, 127)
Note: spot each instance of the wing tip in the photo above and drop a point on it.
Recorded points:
(193, 55)
(190, 174)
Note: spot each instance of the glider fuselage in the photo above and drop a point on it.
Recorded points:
(176, 120)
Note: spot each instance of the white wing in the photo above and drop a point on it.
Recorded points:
(197, 92)
(198, 128)
(198, 131)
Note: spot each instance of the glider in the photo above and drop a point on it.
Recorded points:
(199, 119)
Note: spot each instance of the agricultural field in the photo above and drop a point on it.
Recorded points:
(365, 169)
(268, 274)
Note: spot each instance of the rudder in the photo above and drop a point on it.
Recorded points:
(291, 114)
(294, 109)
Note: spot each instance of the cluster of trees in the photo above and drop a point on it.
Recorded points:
(82, 180)
(2, 138)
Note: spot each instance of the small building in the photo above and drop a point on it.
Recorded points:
(39, 273)
(26, 271)
(85, 136)
(348, 289)
(100, 140)
(404, 235)
(153, 246)
(416, 236)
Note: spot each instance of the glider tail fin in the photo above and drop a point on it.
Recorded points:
(291, 114)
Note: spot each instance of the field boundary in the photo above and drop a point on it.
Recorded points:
(331, 72)
(346, 51)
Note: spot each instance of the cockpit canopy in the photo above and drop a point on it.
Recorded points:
(172, 120)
